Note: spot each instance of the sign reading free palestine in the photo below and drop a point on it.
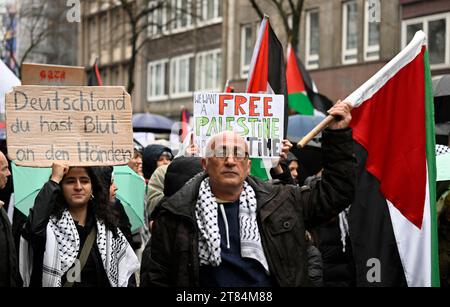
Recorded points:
(258, 118)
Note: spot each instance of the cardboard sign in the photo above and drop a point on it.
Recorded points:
(53, 75)
(85, 126)
(258, 118)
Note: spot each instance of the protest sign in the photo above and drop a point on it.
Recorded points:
(54, 75)
(258, 118)
(84, 126)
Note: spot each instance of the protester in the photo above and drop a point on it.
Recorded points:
(227, 228)
(136, 163)
(444, 238)
(155, 188)
(9, 269)
(292, 163)
(154, 156)
(71, 212)
(106, 173)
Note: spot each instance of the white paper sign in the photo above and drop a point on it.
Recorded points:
(258, 118)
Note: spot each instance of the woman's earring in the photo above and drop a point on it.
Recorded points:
(92, 196)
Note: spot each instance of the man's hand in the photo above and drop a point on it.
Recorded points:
(286, 146)
(1, 204)
(341, 112)
(59, 169)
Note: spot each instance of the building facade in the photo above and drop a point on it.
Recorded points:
(197, 45)
(8, 38)
(44, 35)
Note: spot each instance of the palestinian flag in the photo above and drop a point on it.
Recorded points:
(393, 218)
(184, 124)
(94, 77)
(267, 76)
(303, 95)
(298, 98)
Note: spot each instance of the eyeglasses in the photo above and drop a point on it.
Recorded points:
(236, 153)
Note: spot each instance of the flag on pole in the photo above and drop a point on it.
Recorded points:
(94, 77)
(228, 87)
(393, 218)
(267, 76)
(303, 95)
(184, 123)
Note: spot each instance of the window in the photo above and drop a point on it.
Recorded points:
(210, 11)
(157, 20)
(437, 29)
(247, 45)
(104, 31)
(312, 39)
(350, 33)
(371, 33)
(181, 14)
(208, 70)
(179, 75)
(93, 37)
(156, 80)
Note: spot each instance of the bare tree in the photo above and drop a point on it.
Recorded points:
(285, 9)
(8, 36)
(138, 13)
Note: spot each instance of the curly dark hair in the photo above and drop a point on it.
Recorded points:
(99, 206)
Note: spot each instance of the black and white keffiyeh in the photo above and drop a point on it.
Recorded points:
(442, 149)
(206, 212)
(62, 246)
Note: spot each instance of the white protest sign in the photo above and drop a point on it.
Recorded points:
(258, 118)
(84, 126)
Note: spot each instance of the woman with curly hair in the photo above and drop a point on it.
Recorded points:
(71, 237)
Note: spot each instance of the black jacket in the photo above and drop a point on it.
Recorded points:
(9, 268)
(284, 212)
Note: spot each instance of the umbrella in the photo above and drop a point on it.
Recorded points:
(300, 125)
(146, 122)
(28, 181)
(441, 86)
(131, 192)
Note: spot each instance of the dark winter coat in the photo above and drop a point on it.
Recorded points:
(284, 212)
(9, 268)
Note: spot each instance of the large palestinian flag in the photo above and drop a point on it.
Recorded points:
(267, 76)
(393, 219)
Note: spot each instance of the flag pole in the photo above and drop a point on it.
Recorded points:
(321, 126)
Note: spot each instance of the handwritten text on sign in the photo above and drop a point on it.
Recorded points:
(81, 125)
(258, 118)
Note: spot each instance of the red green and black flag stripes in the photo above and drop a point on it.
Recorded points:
(393, 218)
(267, 76)
(303, 96)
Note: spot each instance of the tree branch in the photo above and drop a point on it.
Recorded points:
(257, 9)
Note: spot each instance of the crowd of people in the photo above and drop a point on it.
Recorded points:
(208, 222)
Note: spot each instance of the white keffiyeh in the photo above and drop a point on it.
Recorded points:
(206, 212)
(61, 250)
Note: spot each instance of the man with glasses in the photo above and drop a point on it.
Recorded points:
(226, 228)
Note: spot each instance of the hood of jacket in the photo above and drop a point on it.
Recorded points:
(150, 157)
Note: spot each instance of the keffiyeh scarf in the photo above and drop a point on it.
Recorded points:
(206, 212)
(62, 246)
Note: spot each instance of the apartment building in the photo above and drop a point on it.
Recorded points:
(197, 45)
(44, 34)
